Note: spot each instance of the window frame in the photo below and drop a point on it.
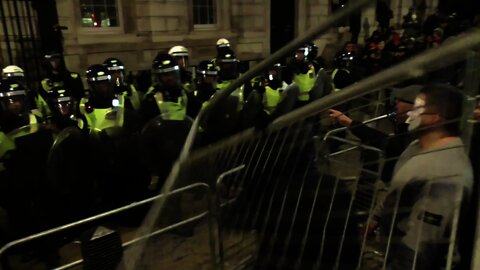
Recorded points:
(203, 27)
(102, 30)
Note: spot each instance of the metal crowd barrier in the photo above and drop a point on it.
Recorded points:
(45, 234)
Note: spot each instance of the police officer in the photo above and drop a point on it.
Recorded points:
(341, 75)
(38, 105)
(221, 45)
(113, 131)
(268, 99)
(166, 96)
(205, 86)
(23, 142)
(14, 106)
(63, 109)
(311, 83)
(59, 76)
(165, 109)
(228, 72)
(181, 54)
(225, 118)
(116, 70)
(274, 88)
(103, 109)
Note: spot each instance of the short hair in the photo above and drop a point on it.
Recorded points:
(448, 103)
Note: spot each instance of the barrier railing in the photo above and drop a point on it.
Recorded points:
(282, 177)
(64, 228)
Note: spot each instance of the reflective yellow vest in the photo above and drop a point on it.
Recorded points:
(271, 98)
(170, 110)
(134, 97)
(305, 83)
(236, 93)
(7, 143)
(100, 119)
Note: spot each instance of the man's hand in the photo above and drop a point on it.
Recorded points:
(338, 117)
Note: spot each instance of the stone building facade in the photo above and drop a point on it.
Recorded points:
(147, 27)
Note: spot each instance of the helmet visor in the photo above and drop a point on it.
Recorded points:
(169, 79)
(64, 107)
(182, 60)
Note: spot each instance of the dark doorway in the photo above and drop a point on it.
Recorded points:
(19, 21)
(49, 29)
(282, 23)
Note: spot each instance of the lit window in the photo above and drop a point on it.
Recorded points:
(204, 12)
(99, 13)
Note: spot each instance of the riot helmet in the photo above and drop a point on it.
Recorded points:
(306, 53)
(55, 62)
(222, 43)
(227, 63)
(207, 75)
(167, 71)
(116, 69)
(206, 71)
(14, 72)
(63, 107)
(14, 106)
(181, 54)
(344, 59)
(303, 58)
(101, 88)
(273, 76)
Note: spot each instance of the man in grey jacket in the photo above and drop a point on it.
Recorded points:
(432, 181)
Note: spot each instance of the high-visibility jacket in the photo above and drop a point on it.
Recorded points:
(7, 142)
(271, 98)
(305, 83)
(236, 93)
(132, 95)
(170, 110)
(99, 119)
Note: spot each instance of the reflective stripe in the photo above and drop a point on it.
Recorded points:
(305, 83)
(171, 110)
(13, 93)
(48, 56)
(99, 78)
(203, 72)
(271, 98)
(228, 60)
(165, 70)
(116, 68)
(63, 99)
(15, 74)
(178, 54)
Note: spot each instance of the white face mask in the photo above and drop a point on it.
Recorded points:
(414, 116)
